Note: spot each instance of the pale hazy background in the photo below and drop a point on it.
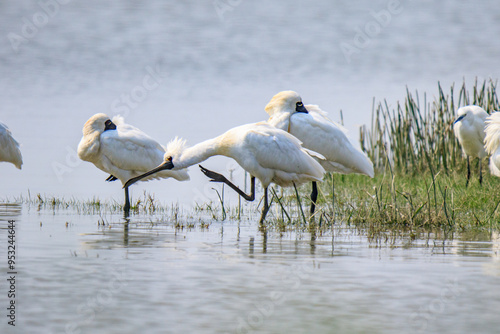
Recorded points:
(219, 69)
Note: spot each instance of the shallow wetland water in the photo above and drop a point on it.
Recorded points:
(78, 275)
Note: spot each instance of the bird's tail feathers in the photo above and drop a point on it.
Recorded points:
(314, 154)
(358, 163)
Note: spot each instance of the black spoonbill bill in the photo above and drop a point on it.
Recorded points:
(265, 152)
(123, 151)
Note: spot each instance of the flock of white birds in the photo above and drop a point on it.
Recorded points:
(298, 144)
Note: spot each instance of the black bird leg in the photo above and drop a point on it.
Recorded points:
(126, 208)
(265, 208)
(314, 197)
(480, 171)
(468, 172)
(216, 177)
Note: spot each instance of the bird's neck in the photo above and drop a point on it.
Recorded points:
(200, 152)
(89, 146)
(281, 121)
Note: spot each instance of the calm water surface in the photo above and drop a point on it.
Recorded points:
(214, 71)
(144, 275)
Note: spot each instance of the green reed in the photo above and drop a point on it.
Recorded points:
(417, 136)
(419, 164)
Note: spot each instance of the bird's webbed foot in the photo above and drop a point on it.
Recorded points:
(214, 177)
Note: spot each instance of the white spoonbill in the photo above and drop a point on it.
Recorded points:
(9, 147)
(266, 153)
(318, 133)
(492, 142)
(469, 130)
(122, 151)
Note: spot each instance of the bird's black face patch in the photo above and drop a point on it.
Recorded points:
(299, 107)
(109, 125)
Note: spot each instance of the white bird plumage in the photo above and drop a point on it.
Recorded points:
(317, 132)
(9, 147)
(265, 152)
(492, 142)
(269, 154)
(469, 130)
(122, 150)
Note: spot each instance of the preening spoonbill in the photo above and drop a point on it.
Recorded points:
(265, 152)
(492, 142)
(469, 129)
(122, 150)
(9, 147)
(318, 133)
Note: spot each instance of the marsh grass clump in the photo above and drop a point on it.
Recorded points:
(145, 204)
(420, 181)
(410, 203)
(417, 136)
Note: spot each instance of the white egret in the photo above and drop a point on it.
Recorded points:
(122, 151)
(318, 133)
(492, 142)
(266, 153)
(469, 130)
(9, 147)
